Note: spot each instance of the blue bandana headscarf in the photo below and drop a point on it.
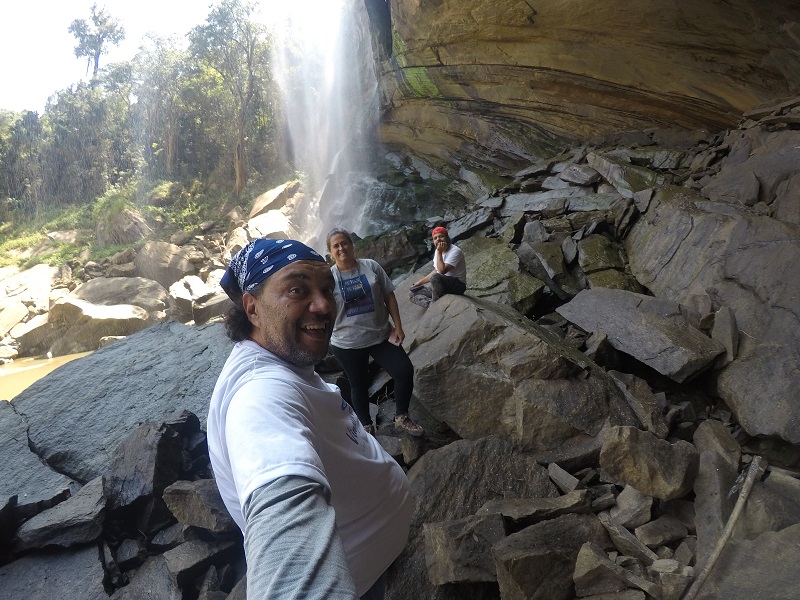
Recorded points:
(258, 260)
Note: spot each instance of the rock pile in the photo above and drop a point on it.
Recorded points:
(609, 411)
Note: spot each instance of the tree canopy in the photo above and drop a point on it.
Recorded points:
(205, 111)
(94, 35)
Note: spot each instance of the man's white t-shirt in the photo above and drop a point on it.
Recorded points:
(455, 258)
(269, 419)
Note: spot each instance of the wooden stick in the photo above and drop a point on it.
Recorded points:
(754, 471)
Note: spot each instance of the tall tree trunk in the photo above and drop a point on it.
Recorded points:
(239, 165)
(171, 145)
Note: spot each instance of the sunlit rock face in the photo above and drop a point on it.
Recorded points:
(484, 83)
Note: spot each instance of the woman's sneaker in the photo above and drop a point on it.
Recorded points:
(404, 423)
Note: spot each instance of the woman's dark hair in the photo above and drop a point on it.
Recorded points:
(337, 231)
(237, 326)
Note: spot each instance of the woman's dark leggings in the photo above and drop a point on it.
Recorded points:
(393, 359)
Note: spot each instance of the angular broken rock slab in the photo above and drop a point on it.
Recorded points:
(76, 573)
(687, 246)
(713, 503)
(538, 562)
(653, 466)
(595, 573)
(485, 370)
(652, 330)
(523, 512)
(144, 464)
(198, 503)
(454, 480)
(152, 580)
(627, 543)
(460, 551)
(25, 480)
(153, 373)
(78, 520)
(765, 567)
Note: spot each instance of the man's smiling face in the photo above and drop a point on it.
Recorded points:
(293, 315)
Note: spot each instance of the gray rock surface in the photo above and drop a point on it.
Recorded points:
(651, 330)
(48, 575)
(78, 520)
(146, 376)
(40, 487)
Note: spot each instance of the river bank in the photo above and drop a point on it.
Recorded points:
(18, 375)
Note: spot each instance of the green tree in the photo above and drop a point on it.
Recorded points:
(162, 68)
(237, 47)
(94, 35)
(89, 147)
(21, 141)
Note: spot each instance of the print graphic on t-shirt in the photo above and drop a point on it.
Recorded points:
(363, 303)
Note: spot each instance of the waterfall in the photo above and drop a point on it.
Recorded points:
(323, 63)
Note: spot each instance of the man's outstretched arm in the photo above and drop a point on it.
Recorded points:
(292, 546)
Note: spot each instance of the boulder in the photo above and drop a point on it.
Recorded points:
(652, 330)
(138, 291)
(483, 370)
(146, 376)
(46, 575)
(687, 246)
(165, 263)
(80, 325)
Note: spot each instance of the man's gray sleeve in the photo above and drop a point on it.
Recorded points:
(292, 546)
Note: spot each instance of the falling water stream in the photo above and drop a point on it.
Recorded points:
(322, 60)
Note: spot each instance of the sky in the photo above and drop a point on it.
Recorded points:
(37, 51)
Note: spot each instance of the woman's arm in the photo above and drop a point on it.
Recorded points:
(394, 312)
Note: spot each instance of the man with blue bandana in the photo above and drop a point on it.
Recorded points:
(323, 508)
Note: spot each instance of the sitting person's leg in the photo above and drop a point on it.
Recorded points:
(442, 285)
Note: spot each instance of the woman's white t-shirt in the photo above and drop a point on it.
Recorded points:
(364, 321)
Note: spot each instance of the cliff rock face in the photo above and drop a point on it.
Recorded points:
(484, 84)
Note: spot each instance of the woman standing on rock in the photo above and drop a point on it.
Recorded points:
(364, 303)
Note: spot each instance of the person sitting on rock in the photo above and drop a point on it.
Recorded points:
(449, 275)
